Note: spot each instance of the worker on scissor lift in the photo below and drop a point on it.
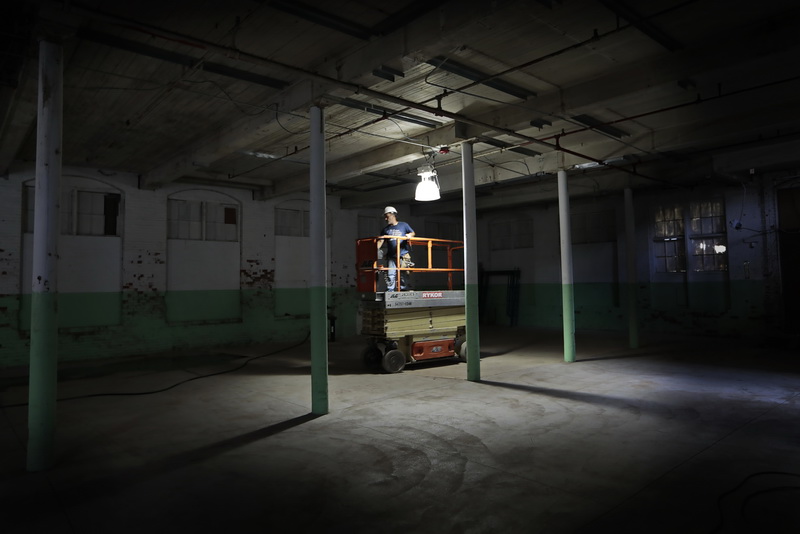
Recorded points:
(396, 228)
(408, 326)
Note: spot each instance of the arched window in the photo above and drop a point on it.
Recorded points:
(203, 257)
(89, 252)
(202, 215)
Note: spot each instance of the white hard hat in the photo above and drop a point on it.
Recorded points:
(389, 209)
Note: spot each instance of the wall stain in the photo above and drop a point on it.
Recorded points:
(254, 277)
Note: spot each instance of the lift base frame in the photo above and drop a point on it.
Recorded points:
(420, 325)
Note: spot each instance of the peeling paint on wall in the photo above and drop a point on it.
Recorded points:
(256, 277)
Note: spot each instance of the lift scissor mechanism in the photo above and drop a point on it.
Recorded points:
(421, 324)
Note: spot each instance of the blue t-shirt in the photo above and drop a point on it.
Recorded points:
(401, 229)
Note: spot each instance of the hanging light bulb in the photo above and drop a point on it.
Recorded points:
(428, 188)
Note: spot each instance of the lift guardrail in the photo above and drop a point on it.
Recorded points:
(369, 266)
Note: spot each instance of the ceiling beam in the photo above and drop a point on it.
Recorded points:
(387, 112)
(245, 132)
(459, 69)
(18, 79)
(18, 110)
(185, 60)
(616, 85)
(426, 37)
(370, 161)
(681, 154)
(322, 18)
(643, 24)
(233, 138)
(758, 158)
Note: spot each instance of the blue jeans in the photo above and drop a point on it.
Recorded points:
(391, 274)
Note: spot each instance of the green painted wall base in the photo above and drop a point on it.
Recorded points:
(731, 309)
(103, 325)
(143, 324)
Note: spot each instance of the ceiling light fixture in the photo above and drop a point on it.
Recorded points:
(428, 187)
(255, 154)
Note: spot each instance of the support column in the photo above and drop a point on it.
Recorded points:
(630, 267)
(43, 376)
(470, 263)
(567, 288)
(318, 291)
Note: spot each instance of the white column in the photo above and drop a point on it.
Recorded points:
(44, 288)
(630, 263)
(318, 291)
(470, 263)
(567, 288)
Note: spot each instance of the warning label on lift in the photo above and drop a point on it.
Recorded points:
(418, 299)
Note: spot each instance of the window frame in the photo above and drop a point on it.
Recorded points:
(71, 211)
(202, 232)
(684, 233)
(304, 223)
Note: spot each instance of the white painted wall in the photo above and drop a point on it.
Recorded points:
(138, 260)
(202, 265)
(11, 234)
(143, 264)
(86, 264)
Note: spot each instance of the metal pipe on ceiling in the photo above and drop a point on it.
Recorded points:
(239, 55)
(643, 24)
(593, 39)
(697, 100)
(180, 59)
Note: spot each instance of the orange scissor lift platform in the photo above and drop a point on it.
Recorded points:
(410, 326)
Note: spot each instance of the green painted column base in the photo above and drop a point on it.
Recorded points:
(633, 320)
(473, 333)
(568, 306)
(319, 350)
(43, 382)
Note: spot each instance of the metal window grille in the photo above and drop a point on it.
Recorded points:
(289, 222)
(705, 244)
(81, 212)
(297, 223)
(185, 219)
(198, 220)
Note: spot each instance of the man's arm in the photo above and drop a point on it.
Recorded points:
(379, 253)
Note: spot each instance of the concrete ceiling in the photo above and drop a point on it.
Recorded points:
(666, 93)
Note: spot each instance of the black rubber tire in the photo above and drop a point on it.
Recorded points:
(459, 347)
(372, 356)
(393, 361)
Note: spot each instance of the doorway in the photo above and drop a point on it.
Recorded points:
(789, 248)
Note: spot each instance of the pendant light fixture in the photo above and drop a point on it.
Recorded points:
(428, 187)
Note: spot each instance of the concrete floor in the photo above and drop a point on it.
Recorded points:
(679, 436)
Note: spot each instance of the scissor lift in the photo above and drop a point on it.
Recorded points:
(410, 326)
